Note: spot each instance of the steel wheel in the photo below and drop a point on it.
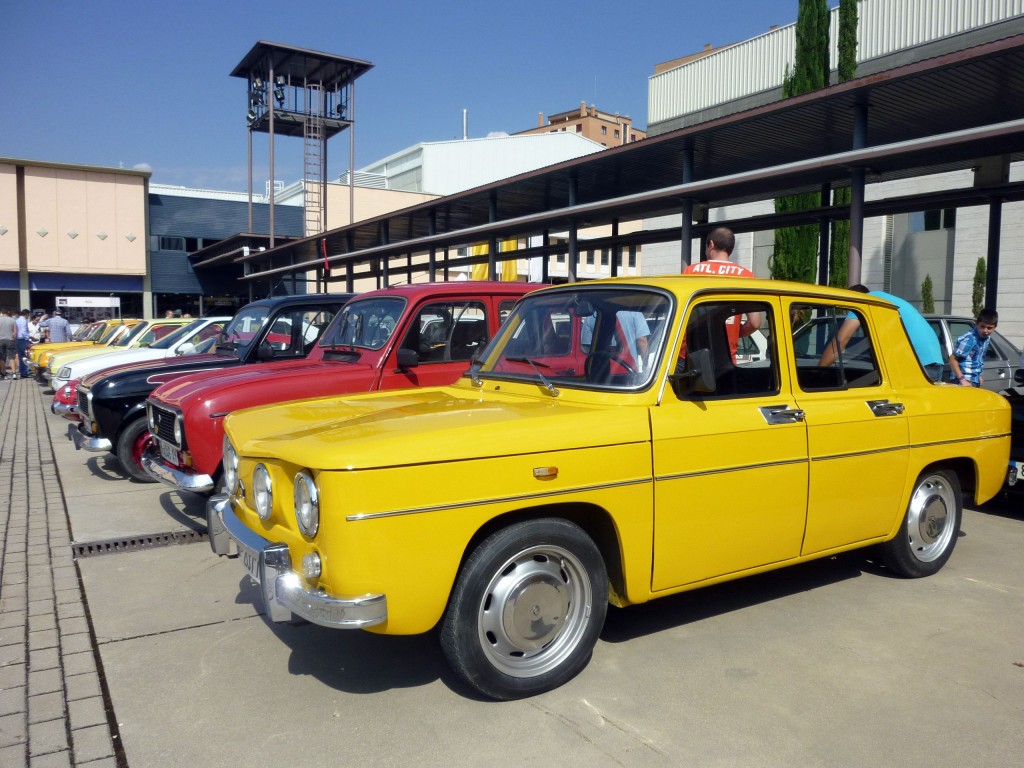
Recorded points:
(534, 611)
(527, 609)
(930, 527)
(134, 440)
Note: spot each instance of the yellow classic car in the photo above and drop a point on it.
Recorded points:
(608, 446)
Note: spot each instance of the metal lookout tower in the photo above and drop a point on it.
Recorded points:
(298, 92)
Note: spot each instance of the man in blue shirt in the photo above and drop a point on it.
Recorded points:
(922, 337)
(968, 356)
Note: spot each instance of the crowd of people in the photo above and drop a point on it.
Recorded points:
(20, 330)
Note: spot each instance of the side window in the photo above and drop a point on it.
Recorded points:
(504, 308)
(448, 331)
(294, 333)
(729, 351)
(833, 349)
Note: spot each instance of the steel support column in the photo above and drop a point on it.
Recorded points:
(857, 176)
(686, 232)
(824, 236)
(995, 225)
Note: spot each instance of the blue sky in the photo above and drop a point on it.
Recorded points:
(124, 82)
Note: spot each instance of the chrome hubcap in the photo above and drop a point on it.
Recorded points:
(928, 522)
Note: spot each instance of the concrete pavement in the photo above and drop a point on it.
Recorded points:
(154, 655)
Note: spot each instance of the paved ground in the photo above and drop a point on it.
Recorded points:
(156, 656)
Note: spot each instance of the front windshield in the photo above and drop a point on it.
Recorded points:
(128, 337)
(177, 335)
(592, 338)
(365, 323)
(240, 333)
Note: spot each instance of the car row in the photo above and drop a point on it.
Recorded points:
(500, 465)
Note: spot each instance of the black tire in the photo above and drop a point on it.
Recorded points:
(930, 527)
(134, 439)
(527, 609)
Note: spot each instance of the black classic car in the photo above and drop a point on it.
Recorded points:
(112, 402)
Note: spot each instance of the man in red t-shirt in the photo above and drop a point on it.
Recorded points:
(718, 249)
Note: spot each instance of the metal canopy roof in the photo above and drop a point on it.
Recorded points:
(941, 114)
(301, 64)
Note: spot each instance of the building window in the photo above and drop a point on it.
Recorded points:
(560, 258)
(604, 130)
(590, 258)
(579, 127)
(933, 221)
(604, 257)
(172, 243)
(616, 133)
(632, 257)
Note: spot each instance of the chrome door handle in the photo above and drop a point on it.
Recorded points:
(781, 414)
(885, 408)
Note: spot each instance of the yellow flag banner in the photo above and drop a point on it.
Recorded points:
(508, 270)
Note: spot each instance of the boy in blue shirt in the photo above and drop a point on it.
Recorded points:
(968, 356)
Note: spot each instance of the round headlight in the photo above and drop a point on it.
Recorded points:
(177, 429)
(307, 504)
(230, 466)
(262, 492)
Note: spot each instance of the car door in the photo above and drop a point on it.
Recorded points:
(730, 456)
(444, 334)
(857, 431)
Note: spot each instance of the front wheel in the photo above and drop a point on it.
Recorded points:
(527, 609)
(134, 440)
(930, 527)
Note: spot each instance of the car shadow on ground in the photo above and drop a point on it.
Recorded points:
(106, 467)
(625, 624)
(1007, 504)
(187, 509)
(361, 662)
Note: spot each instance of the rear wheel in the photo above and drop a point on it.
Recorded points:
(527, 609)
(930, 527)
(134, 440)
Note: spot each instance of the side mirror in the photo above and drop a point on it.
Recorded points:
(407, 358)
(265, 352)
(185, 349)
(1018, 377)
(698, 376)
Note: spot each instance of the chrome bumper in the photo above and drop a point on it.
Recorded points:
(174, 477)
(61, 409)
(283, 595)
(87, 442)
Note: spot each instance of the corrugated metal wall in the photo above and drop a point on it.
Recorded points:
(759, 64)
(174, 216)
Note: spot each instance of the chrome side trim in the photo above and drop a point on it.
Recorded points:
(852, 454)
(498, 500)
(1002, 436)
(725, 470)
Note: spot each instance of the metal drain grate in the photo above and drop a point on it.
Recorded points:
(135, 543)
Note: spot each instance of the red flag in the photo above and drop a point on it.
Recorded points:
(327, 266)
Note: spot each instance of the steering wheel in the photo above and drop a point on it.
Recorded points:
(611, 357)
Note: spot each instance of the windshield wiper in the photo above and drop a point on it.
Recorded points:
(543, 380)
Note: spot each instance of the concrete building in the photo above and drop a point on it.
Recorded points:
(901, 250)
(608, 130)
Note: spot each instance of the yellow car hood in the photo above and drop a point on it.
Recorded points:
(427, 425)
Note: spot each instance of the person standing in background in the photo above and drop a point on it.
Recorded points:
(57, 328)
(21, 342)
(8, 350)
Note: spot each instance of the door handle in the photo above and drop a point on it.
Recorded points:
(781, 414)
(885, 408)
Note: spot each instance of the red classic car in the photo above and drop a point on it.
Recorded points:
(408, 336)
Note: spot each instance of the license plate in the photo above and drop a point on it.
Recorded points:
(168, 452)
(251, 561)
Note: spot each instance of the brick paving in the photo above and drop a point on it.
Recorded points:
(52, 708)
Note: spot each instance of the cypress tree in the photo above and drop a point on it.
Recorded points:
(795, 256)
(839, 250)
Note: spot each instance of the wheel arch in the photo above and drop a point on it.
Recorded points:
(595, 521)
(965, 469)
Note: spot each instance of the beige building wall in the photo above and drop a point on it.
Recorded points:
(369, 202)
(77, 220)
